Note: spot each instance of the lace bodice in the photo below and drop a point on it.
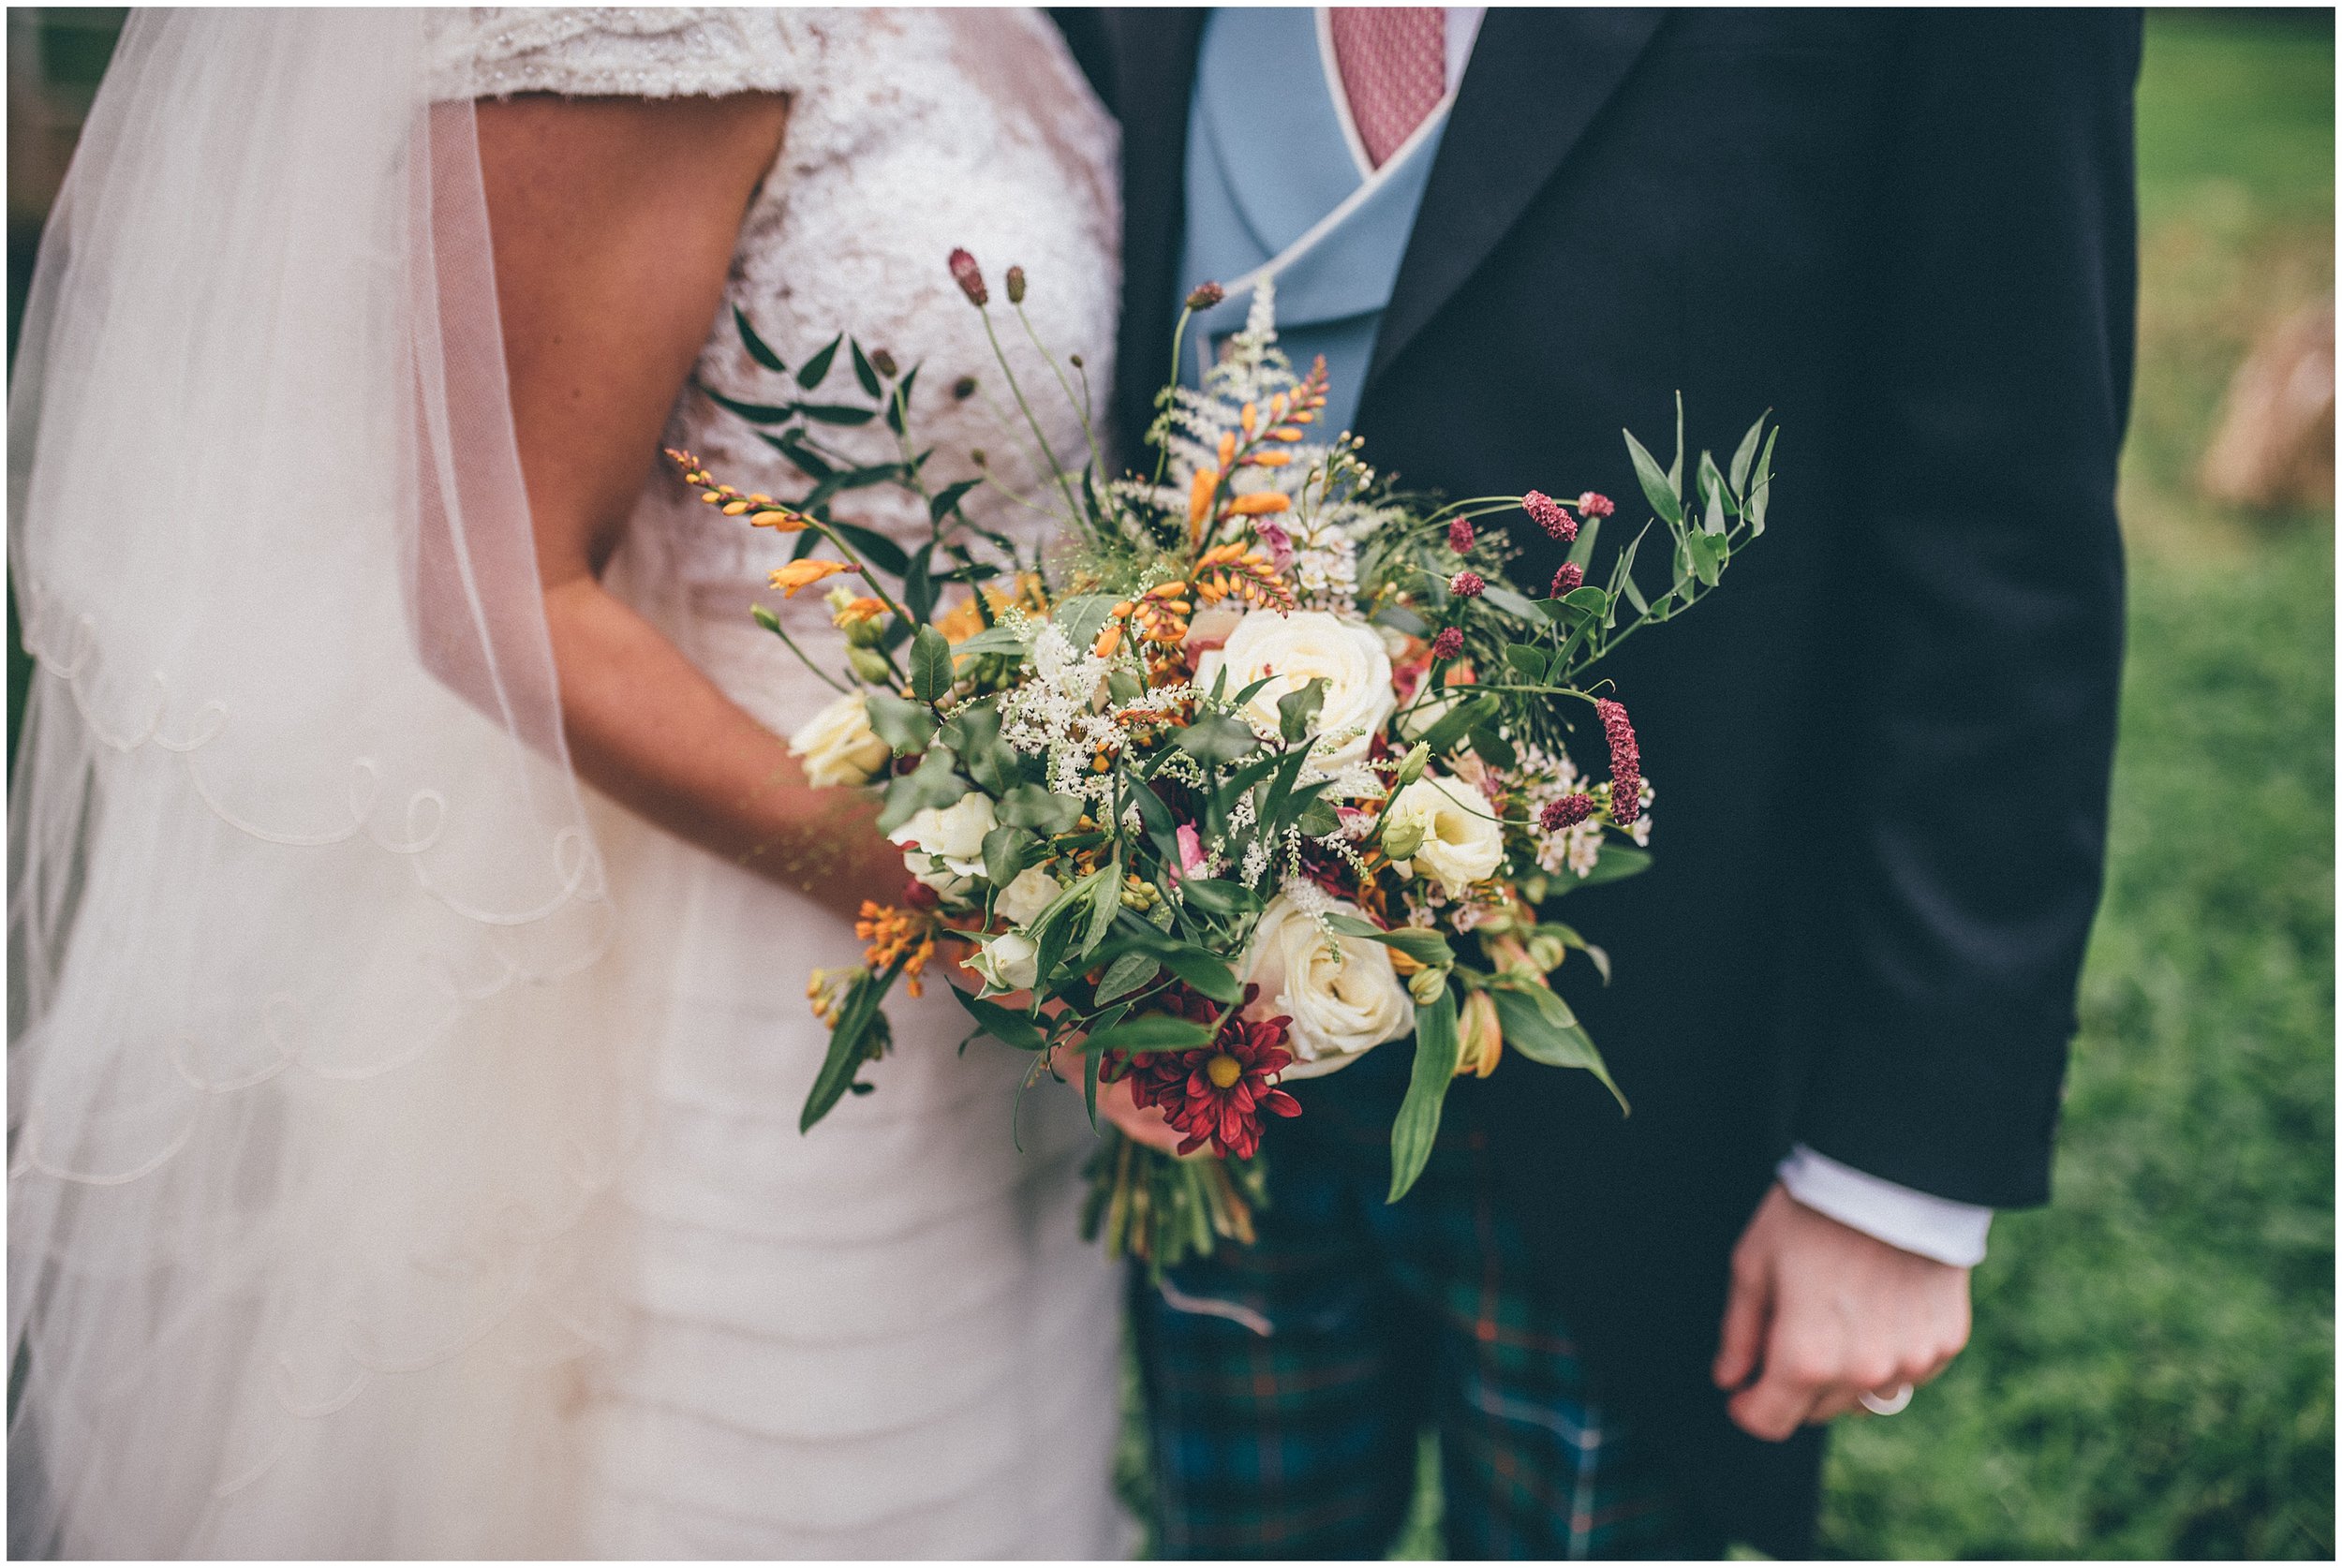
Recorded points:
(909, 133)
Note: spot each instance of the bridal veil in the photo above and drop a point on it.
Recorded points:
(314, 1086)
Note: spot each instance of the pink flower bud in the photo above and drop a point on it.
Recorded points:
(1447, 644)
(1595, 504)
(1204, 295)
(1550, 517)
(1460, 535)
(1016, 286)
(970, 278)
(1466, 584)
(1567, 813)
(1625, 762)
(1568, 580)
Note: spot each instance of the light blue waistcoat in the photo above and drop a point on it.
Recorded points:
(1274, 189)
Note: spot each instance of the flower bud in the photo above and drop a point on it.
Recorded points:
(1567, 813)
(1411, 767)
(1548, 516)
(970, 277)
(1568, 579)
(964, 389)
(1466, 584)
(1460, 535)
(1447, 644)
(1016, 286)
(1595, 504)
(883, 362)
(1479, 1037)
(1204, 295)
(1403, 840)
(1425, 986)
(870, 665)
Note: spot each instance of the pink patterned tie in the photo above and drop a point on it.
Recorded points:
(1393, 66)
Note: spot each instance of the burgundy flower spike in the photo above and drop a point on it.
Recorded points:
(1625, 762)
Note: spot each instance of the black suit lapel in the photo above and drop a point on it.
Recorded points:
(1536, 81)
(1154, 78)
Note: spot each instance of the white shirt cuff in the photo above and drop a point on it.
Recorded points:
(1903, 1216)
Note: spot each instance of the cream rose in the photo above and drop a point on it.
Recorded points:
(1341, 992)
(1021, 902)
(945, 848)
(838, 747)
(1008, 962)
(1447, 830)
(1296, 649)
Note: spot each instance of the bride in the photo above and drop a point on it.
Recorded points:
(403, 1143)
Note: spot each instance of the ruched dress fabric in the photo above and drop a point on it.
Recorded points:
(884, 1339)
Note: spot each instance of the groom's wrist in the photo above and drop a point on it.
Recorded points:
(1943, 1229)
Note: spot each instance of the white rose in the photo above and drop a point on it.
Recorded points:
(1296, 649)
(1008, 962)
(1452, 829)
(945, 848)
(1021, 902)
(1341, 993)
(838, 747)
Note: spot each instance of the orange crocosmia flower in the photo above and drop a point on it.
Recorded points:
(803, 574)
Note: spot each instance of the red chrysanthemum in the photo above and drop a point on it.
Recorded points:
(1216, 1093)
(1460, 535)
(1548, 516)
(1569, 579)
(1595, 504)
(1448, 644)
(1625, 762)
(970, 277)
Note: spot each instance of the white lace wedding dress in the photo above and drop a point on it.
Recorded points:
(884, 1339)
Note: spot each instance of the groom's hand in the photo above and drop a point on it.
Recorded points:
(1821, 1314)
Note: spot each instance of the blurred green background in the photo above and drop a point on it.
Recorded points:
(2152, 1373)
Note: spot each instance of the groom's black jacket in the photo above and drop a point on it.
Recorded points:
(1881, 750)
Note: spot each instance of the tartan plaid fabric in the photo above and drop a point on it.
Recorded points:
(1287, 1382)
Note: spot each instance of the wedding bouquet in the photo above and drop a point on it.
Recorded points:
(1261, 764)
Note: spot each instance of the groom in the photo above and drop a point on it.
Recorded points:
(1843, 996)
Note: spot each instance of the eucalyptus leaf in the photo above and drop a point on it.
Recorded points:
(903, 725)
(1746, 454)
(1526, 659)
(930, 665)
(932, 783)
(1006, 852)
(863, 371)
(1030, 806)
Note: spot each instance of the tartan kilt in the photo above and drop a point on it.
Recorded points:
(1286, 1383)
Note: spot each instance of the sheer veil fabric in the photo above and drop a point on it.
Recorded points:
(305, 1151)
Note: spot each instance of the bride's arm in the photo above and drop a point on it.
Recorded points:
(614, 222)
